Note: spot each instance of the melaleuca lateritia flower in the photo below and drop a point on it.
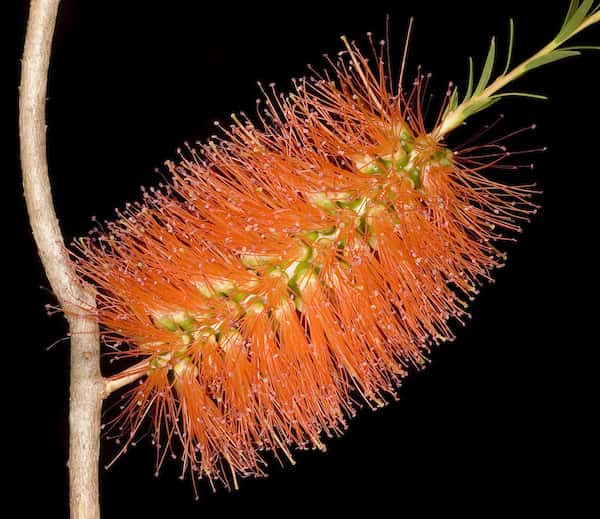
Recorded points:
(298, 267)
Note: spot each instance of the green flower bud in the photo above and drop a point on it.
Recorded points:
(184, 320)
(183, 366)
(257, 260)
(160, 361)
(414, 174)
(165, 322)
(321, 201)
(256, 305)
(304, 277)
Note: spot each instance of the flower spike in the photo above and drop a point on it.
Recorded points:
(296, 268)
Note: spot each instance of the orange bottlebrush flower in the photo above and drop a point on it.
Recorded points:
(293, 270)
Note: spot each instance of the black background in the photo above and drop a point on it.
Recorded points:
(503, 418)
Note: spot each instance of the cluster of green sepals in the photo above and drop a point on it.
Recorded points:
(401, 161)
(297, 275)
(183, 324)
(189, 329)
(302, 271)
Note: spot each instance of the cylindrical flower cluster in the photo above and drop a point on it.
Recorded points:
(294, 269)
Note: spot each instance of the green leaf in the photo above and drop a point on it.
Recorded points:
(550, 57)
(580, 14)
(487, 69)
(576, 18)
(453, 103)
(478, 106)
(470, 82)
(582, 47)
(573, 5)
(511, 41)
(521, 94)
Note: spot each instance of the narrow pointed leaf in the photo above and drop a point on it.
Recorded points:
(575, 20)
(470, 83)
(521, 94)
(573, 5)
(582, 47)
(549, 58)
(511, 41)
(479, 106)
(453, 103)
(486, 74)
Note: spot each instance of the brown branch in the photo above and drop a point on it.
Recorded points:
(77, 299)
(125, 377)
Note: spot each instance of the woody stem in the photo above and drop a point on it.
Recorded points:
(76, 298)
